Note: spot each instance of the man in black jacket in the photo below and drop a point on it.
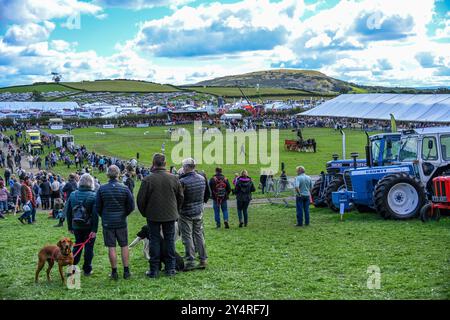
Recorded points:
(70, 186)
(114, 202)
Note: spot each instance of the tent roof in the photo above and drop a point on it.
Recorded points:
(404, 107)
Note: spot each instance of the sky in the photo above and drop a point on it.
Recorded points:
(368, 42)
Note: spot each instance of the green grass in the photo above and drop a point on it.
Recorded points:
(234, 91)
(270, 259)
(125, 142)
(38, 87)
(120, 86)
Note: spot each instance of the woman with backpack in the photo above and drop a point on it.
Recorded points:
(82, 220)
(220, 189)
(243, 191)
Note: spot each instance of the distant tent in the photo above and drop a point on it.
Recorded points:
(404, 107)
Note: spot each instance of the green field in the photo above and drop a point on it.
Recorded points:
(270, 259)
(120, 86)
(125, 143)
(38, 87)
(252, 92)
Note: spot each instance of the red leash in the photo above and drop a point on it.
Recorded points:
(81, 245)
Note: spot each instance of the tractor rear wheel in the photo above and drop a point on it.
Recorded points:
(315, 194)
(399, 196)
(335, 185)
(425, 213)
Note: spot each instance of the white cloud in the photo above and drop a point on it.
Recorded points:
(23, 11)
(28, 33)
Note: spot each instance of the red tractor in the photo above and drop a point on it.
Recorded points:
(440, 200)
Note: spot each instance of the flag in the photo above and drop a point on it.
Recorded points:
(393, 124)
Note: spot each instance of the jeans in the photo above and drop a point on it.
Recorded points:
(29, 215)
(217, 207)
(3, 206)
(193, 237)
(302, 204)
(242, 207)
(80, 237)
(168, 229)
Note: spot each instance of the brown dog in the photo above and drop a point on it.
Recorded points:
(61, 253)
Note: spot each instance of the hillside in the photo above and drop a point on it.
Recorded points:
(285, 78)
(94, 86)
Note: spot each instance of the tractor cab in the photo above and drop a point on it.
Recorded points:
(384, 149)
(429, 150)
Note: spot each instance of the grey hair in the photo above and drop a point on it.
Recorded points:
(86, 180)
(113, 172)
(188, 164)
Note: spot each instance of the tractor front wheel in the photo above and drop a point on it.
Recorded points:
(426, 215)
(399, 196)
(315, 194)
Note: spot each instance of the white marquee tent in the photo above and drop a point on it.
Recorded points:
(404, 107)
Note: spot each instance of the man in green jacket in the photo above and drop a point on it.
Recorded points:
(159, 199)
(84, 196)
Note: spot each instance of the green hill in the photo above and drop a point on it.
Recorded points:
(120, 86)
(41, 87)
(308, 80)
(249, 91)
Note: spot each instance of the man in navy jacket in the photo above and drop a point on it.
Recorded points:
(114, 203)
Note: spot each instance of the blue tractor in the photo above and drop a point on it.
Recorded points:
(382, 146)
(399, 188)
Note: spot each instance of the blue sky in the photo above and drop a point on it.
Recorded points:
(372, 42)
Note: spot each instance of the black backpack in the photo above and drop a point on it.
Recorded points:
(81, 216)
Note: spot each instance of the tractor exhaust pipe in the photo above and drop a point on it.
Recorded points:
(343, 144)
(368, 151)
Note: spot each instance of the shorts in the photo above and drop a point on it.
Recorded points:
(113, 236)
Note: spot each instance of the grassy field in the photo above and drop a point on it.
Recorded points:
(38, 87)
(120, 86)
(234, 91)
(126, 142)
(270, 259)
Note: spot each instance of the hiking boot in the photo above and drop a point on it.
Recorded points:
(152, 274)
(60, 224)
(202, 265)
(189, 266)
(170, 273)
(87, 274)
(240, 224)
(226, 225)
(21, 220)
(245, 224)
(217, 225)
(114, 276)
(127, 274)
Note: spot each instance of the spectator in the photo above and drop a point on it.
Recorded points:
(15, 193)
(303, 186)
(56, 193)
(220, 189)
(114, 202)
(283, 181)
(45, 193)
(70, 186)
(159, 198)
(263, 181)
(83, 227)
(129, 182)
(244, 189)
(196, 192)
(3, 199)
(28, 200)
